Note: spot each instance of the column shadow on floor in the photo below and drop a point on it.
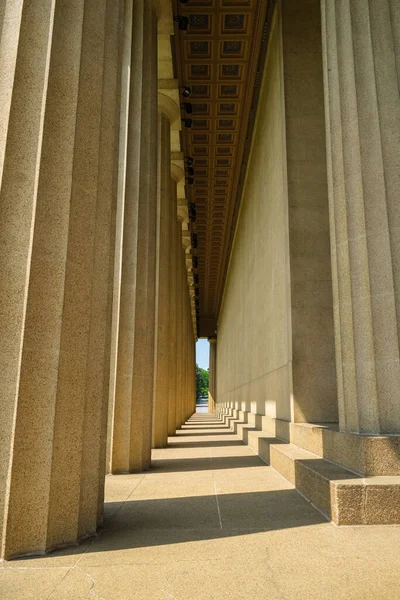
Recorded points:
(182, 433)
(141, 523)
(160, 514)
(172, 465)
(201, 425)
(207, 444)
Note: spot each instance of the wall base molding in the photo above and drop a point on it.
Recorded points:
(303, 454)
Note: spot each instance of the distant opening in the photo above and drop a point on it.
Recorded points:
(202, 366)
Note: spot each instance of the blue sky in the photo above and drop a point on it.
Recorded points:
(203, 353)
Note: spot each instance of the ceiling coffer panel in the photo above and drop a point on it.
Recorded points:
(217, 57)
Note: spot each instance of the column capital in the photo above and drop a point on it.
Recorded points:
(177, 173)
(183, 214)
(170, 108)
(186, 240)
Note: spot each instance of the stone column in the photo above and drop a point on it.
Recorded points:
(191, 363)
(187, 352)
(168, 111)
(126, 60)
(56, 233)
(193, 374)
(185, 243)
(160, 417)
(184, 342)
(23, 79)
(177, 175)
(212, 384)
(188, 367)
(361, 72)
(131, 448)
(179, 326)
(192, 404)
(184, 347)
(190, 360)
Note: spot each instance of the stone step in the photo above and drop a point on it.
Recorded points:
(365, 455)
(308, 436)
(341, 495)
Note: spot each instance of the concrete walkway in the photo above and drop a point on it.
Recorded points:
(211, 522)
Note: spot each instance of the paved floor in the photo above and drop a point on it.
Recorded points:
(211, 522)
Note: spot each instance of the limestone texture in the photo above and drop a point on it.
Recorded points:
(173, 532)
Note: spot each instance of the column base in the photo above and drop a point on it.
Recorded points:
(40, 553)
(311, 457)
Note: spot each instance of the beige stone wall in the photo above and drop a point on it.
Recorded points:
(254, 349)
(275, 330)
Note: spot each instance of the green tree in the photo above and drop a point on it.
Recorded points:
(201, 381)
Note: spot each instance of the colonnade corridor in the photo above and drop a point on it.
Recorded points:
(211, 521)
(176, 170)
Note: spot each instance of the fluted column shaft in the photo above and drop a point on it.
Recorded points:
(192, 405)
(361, 76)
(185, 342)
(179, 327)
(24, 79)
(191, 373)
(160, 434)
(191, 360)
(212, 383)
(193, 378)
(56, 235)
(126, 61)
(131, 447)
(186, 352)
(173, 315)
(184, 347)
(194, 375)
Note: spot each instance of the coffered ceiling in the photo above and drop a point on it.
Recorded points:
(218, 57)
